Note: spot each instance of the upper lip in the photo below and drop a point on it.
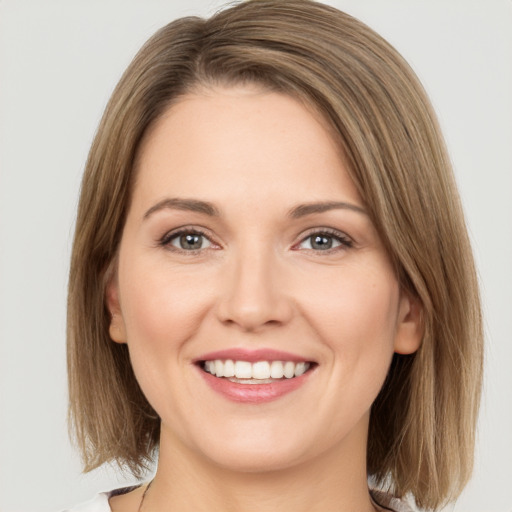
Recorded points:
(252, 356)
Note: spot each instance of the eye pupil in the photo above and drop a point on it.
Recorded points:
(321, 242)
(191, 241)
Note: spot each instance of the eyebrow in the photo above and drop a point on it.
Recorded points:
(310, 208)
(191, 205)
(206, 208)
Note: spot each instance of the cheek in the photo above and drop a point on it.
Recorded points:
(162, 310)
(158, 303)
(355, 312)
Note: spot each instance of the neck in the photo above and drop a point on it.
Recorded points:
(330, 482)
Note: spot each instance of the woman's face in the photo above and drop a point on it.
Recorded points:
(247, 252)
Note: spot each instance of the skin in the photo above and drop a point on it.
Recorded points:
(256, 282)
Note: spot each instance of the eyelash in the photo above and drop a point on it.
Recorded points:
(168, 238)
(344, 241)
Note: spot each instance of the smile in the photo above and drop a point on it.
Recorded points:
(259, 372)
(254, 377)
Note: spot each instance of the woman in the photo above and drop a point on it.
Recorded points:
(271, 281)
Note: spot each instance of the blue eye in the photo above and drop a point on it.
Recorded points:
(325, 241)
(187, 241)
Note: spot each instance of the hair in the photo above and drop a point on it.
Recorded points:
(422, 425)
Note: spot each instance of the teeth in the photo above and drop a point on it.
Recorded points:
(229, 368)
(276, 370)
(255, 373)
(289, 369)
(300, 368)
(219, 368)
(243, 369)
(261, 370)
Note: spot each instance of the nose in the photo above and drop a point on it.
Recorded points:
(254, 295)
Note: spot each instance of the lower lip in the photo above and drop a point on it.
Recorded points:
(253, 393)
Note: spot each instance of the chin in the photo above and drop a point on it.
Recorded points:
(253, 460)
(252, 448)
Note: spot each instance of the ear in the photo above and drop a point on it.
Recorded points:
(117, 328)
(410, 327)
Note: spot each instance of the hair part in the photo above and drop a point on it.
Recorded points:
(422, 425)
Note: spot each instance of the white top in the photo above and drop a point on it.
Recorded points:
(100, 502)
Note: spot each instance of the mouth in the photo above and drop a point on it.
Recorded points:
(254, 376)
(258, 372)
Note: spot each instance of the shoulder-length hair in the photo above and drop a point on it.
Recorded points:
(422, 425)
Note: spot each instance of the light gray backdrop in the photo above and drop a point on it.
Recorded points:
(59, 60)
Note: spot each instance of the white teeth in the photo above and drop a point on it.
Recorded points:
(300, 368)
(276, 370)
(255, 373)
(219, 368)
(243, 370)
(261, 370)
(289, 369)
(229, 368)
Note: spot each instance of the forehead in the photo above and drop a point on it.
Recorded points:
(240, 140)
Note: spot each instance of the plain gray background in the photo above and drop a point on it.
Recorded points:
(59, 61)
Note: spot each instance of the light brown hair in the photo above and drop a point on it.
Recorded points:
(422, 426)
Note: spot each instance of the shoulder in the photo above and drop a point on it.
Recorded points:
(100, 503)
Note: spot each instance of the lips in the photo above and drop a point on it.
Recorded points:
(254, 376)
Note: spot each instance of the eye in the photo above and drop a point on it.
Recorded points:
(325, 241)
(189, 240)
